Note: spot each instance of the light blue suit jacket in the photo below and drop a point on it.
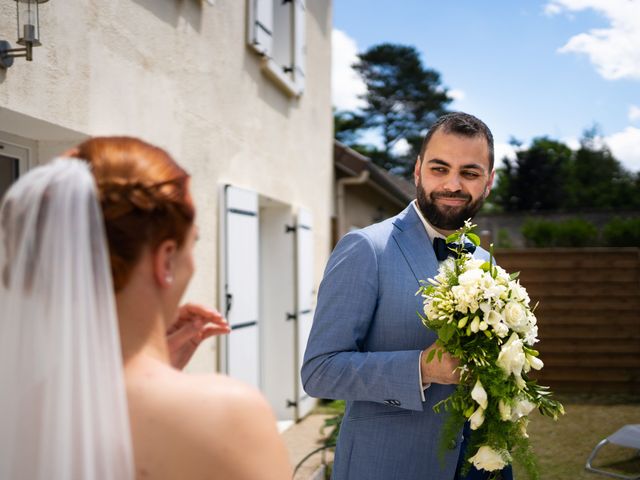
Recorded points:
(365, 346)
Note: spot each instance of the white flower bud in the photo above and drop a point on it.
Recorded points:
(479, 394)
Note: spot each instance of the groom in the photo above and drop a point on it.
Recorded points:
(368, 345)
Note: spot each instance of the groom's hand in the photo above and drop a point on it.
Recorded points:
(439, 370)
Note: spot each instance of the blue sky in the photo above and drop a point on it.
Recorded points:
(528, 68)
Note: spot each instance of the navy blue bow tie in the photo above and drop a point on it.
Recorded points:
(443, 250)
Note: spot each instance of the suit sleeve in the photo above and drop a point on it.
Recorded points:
(335, 364)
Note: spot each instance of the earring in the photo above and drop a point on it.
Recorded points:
(168, 278)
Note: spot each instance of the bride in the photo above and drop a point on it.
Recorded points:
(95, 254)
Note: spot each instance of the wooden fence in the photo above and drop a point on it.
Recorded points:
(588, 316)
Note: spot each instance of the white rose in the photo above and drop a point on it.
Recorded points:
(488, 459)
(470, 277)
(477, 419)
(515, 316)
(511, 358)
(479, 394)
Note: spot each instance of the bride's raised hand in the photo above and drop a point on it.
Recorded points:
(193, 324)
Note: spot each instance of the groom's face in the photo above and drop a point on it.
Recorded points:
(452, 179)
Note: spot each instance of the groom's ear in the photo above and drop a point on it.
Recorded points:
(416, 170)
(487, 190)
(164, 263)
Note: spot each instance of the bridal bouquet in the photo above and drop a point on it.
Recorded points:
(482, 317)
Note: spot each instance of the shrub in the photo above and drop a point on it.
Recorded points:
(622, 232)
(538, 233)
(574, 232)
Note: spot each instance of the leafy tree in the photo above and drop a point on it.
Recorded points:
(537, 178)
(402, 101)
(598, 180)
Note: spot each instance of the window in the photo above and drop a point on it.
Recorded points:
(277, 32)
(13, 163)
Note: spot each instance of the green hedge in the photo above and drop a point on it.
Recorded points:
(622, 232)
(575, 232)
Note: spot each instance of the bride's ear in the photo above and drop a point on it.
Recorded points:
(164, 263)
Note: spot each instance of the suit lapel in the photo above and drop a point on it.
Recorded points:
(413, 241)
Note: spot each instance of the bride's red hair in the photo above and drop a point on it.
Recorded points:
(144, 195)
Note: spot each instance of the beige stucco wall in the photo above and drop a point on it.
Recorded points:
(179, 74)
(365, 205)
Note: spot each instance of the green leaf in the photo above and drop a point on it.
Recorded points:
(475, 239)
(514, 275)
(430, 355)
(440, 352)
(486, 266)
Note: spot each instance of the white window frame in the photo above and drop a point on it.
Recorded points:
(270, 39)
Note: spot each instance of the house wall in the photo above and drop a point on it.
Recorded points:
(179, 74)
(364, 205)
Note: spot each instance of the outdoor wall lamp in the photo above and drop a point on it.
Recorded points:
(28, 21)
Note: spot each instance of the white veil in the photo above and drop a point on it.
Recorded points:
(63, 409)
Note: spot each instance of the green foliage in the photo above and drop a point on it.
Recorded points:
(330, 439)
(574, 232)
(621, 232)
(402, 100)
(504, 239)
(537, 179)
(549, 176)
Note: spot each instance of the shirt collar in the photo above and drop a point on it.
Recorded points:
(432, 232)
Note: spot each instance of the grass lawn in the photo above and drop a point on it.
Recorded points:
(562, 447)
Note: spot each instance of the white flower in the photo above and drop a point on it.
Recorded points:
(505, 410)
(493, 317)
(475, 324)
(488, 459)
(470, 277)
(521, 408)
(534, 362)
(477, 419)
(519, 292)
(515, 316)
(479, 394)
(511, 358)
(465, 298)
(501, 330)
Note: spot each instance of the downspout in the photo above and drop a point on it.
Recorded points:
(340, 200)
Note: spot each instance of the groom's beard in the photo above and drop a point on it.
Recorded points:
(445, 217)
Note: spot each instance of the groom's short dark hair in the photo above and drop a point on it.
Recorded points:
(460, 123)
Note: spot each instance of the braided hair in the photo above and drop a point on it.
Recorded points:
(144, 197)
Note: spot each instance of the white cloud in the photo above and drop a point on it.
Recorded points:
(615, 51)
(401, 147)
(572, 142)
(634, 113)
(501, 150)
(625, 146)
(346, 85)
(456, 94)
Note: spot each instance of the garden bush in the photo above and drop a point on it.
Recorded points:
(574, 232)
(622, 232)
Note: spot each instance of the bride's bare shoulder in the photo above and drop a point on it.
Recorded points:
(215, 421)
